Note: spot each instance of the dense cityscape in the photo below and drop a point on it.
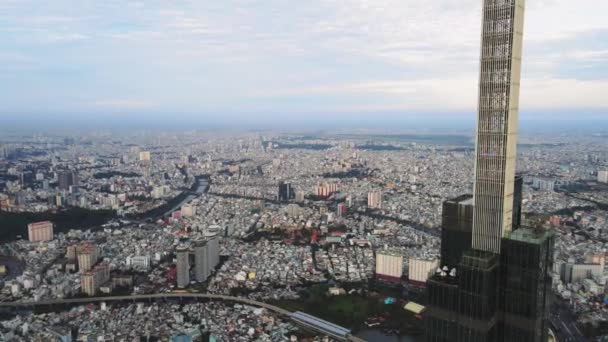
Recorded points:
(170, 172)
(275, 218)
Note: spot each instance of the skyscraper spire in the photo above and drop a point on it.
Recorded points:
(500, 73)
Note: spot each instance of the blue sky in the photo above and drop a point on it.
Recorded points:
(286, 58)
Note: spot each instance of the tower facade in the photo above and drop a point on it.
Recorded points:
(183, 266)
(494, 280)
(201, 260)
(500, 73)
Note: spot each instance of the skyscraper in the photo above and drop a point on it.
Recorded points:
(40, 231)
(67, 179)
(201, 260)
(457, 224)
(285, 192)
(374, 200)
(500, 73)
(526, 258)
(183, 266)
(494, 281)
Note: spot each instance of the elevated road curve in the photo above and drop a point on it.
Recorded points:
(153, 297)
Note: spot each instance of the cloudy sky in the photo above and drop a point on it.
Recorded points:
(286, 57)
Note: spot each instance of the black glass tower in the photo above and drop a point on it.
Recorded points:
(526, 259)
(457, 224)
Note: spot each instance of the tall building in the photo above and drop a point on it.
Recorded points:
(293, 210)
(500, 74)
(87, 255)
(389, 265)
(300, 196)
(325, 190)
(214, 252)
(188, 210)
(144, 156)
(67, 179)
(456, 228)
(602, 176)
(526, 260)
(40, 231)
(374, 200)
(457, 224)
(206, 258)
(201, 260)
(91, 281)
(285, 192)
(494, 280)
(420, 269)
(183, 266)
(341, 209)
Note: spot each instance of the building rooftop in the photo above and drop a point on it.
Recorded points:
(462, 199)
(479, 259)
(391, 252)
(530, 235)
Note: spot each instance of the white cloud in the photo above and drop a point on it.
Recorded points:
(406, 54)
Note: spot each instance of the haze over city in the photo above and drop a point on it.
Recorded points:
(265, 63)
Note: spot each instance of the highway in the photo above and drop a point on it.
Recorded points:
(563, 324)
(150, 297)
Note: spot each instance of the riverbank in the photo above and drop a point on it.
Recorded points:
(14, 225)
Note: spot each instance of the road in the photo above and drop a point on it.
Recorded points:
(150, 297)
(564, 326)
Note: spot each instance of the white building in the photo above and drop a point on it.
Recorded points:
(144, 156)
(139, 262)
(602, 176)
(188, 210)
(420, 269)
(389, 265)
(40, 231)
(374, 200)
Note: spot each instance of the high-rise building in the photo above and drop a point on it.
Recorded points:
(500, 74)
(40, 231)
(285, 192)
(206, 258)
(67, 179)
(183, 266)
(494, 278)
(374, 200)
(144, 156)
(456, 229)
(87, 255)
(201, 260)
(389, 265)
(341, 210)
(457, 224)
(525, 284)
(602, 176)
(214, 252)
(325, 190)
(293, 210)
(91, 281)
(300, 196)
(420, 269)
(188, 210)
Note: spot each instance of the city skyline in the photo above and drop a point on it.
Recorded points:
(246, 170)
(188, 60)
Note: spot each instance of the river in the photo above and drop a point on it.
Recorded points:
(202, 187)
